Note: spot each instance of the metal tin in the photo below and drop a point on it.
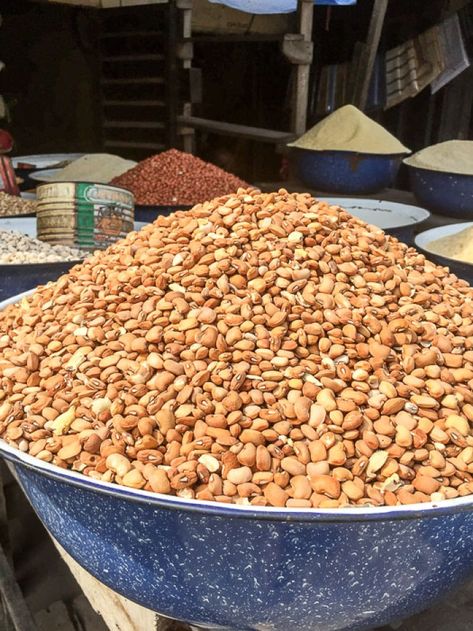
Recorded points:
(86, 215)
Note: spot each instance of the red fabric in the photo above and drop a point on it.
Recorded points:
(6, 141)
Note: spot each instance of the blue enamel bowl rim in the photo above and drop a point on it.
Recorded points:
(415, 167)
(437, 233)
(344, 153)
(235, 511)
(171, 502)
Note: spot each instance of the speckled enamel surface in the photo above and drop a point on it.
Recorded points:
(233, 572)
(445, 193)
(346, 172)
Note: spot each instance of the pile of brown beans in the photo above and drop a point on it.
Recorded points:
(261, 349)
(175, 178)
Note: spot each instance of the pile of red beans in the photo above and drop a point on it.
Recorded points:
(175, 178)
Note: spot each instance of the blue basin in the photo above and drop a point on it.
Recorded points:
(449, 194)
(252, 569)
(345, 172)
(19, 278)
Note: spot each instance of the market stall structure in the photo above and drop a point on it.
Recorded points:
(177, 123)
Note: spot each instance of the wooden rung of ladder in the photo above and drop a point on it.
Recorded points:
(133, 124)
(133, 81)
(130, 144)
(141, 57)
(134, 103)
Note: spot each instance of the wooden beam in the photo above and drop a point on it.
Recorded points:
(242, 131)
(133, 124)
(187, 134)
(172, 81)
(130, 144)
(131, 57)
(368, 53)
(125, 34)
(235, 38)
(457, 107)
(12, 598)
(134, 103)
(133, 81)
(302, 71)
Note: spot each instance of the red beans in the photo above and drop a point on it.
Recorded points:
(176, 178)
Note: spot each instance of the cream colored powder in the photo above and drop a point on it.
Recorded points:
(348, 129)
(94, 167)
(453, 156)
(457, 246)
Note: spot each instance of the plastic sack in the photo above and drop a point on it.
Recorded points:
(274, 6)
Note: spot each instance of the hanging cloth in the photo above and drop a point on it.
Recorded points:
(454, 54)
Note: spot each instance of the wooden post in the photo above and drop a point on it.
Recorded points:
(187, 133)
(172, 81)
(14, 604)
(368, 53)
(305, 10)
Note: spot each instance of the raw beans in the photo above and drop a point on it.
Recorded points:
(260, 349)
(16, 248)
(176, 178)
(11, 205)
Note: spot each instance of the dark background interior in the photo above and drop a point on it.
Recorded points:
(52, 80)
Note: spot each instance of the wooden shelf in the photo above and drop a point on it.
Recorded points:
(244, 39)
(133, 124)
(125, 34)
(129, 144)
(137, 57)
(133, 81)
(230, 129)
(133, 103)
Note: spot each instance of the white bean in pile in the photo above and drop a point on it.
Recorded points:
(16, 247)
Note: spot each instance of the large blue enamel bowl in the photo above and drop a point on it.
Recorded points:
(242, 568)
(345, 172)
(449, 194)
(228, 567)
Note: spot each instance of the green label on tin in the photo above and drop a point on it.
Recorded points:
(85, 225)
(102, 194)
